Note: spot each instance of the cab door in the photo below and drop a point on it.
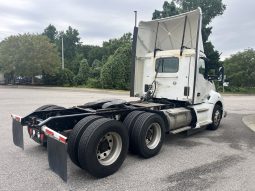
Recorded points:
(203, 85)
(172, 78)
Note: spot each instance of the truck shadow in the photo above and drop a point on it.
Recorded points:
(184, 140)
(35, 150)
(231, 131)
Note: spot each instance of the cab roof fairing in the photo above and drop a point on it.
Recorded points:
(168, 33)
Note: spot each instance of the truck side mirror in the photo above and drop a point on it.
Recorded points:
(213, 72)
(221, 75)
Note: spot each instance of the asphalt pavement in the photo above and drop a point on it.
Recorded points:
(209, 160)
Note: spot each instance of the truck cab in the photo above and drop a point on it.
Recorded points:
(173, 76)
(170, 64)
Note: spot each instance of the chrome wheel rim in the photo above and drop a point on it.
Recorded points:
(153, 136)
(109, 148)
(217, 118)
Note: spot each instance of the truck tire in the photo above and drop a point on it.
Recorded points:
(75, 135)
(129, 122)
(103, 147)
(45, 108)
(216, 118)
(148, 134)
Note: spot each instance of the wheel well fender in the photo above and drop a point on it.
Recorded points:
(219, 103)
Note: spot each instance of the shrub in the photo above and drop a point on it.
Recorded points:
(82, 76)
(94, 83)
(65, 77)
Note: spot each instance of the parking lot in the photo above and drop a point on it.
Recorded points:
(209, 160)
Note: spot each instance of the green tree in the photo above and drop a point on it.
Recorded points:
(169, 9)
(90, 52)
(28, 55)
(51, 32)
(75, 63)
(94, 74)
(116, 72)
(109, 47)
(95, 69)
(240, 69)
(95, 53)
(83, 74)
(211, 9)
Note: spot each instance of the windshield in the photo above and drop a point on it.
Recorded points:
(167, 65)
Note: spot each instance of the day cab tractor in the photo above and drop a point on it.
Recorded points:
(174, 80)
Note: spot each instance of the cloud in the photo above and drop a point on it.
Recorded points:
(235, 30)
(95, 20)
(98, 20)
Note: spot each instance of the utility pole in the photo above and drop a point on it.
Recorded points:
(63, 64)
(135, 18)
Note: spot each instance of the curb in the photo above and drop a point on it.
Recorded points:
(249, 121)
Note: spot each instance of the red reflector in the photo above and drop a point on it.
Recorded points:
(49, 132)
(17, 118)
(61, 139)
(42, 137)
(30, 131)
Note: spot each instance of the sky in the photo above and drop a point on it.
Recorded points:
(98, 20)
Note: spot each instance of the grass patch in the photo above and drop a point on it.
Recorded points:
(237, 90)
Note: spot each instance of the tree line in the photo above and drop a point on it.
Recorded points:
(34, 55)
(107, 66)
(240, 71)
(91, 65)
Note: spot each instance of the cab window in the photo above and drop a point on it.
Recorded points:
(202, 67)
(167, 65)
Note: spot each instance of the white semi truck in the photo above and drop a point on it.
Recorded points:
(172, 77)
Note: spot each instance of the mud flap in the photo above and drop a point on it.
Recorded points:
(17, 133)
(57, 157)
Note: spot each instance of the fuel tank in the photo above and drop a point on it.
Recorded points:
(178, 117)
